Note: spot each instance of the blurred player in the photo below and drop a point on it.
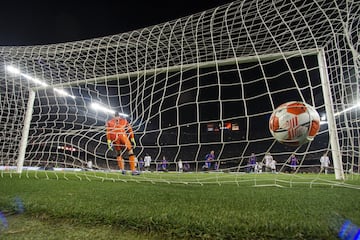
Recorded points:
(210, 157)
(118, 133)
(325, 163)
(180, 165)
(252, 163)
(268, 160)
(273, 166)
(293, 162)
(258, 167)
(164, 164)
(89, 165)
(147, 162)
(141, 164)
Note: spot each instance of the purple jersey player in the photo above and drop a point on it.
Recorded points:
(293, 162)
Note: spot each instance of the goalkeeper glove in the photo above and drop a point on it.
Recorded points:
(133, 142)
(109, 143)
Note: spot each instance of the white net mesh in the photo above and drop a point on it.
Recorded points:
(205, 82)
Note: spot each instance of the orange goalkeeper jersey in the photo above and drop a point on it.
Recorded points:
(118, 126)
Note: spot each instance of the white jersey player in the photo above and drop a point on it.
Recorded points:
(268, 160)
(324, 163)
(147, 161)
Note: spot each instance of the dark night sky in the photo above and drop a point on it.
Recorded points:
(45, 22)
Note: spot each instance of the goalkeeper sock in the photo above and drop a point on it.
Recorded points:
(120, 162)
(132, 162)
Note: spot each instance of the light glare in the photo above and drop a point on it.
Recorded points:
(339, 113)
(62, 92)
(15, 70)
(98, 107)
(101, 108)
(346, 110)
(35, 80)
(12, 69)
(123, 114)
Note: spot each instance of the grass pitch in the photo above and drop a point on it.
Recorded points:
(173, 206)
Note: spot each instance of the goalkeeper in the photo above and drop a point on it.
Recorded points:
(118, 133)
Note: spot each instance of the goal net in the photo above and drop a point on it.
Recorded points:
(201, 83)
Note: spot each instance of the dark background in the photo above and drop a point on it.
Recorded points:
(46, 22)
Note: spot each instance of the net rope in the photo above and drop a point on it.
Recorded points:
(208, 81)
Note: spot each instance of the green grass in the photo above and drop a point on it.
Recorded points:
(208, 206)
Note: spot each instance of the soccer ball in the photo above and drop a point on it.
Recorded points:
(294, 123)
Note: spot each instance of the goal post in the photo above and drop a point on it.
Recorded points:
(330, 117)
(185, 67)
(334, 143)
(25, 131)
(201, 83)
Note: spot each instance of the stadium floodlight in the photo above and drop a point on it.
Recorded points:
(347, 109)
(123, 114)
(12, 69)
(323, 117)
(34, 80)
(62, 92)
(98, 107)
(16, 71)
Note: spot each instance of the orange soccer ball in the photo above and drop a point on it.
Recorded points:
(294, 123)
